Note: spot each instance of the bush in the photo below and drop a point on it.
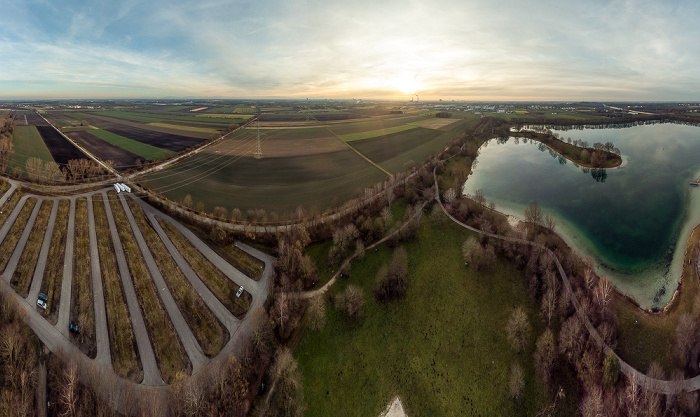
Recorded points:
(611, 369)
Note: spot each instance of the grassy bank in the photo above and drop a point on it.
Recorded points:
(210, 333)
(125, 360)
(53, 274)
(82, 301)
(443, 349)
(223, 288)
(170, 354)
(241, 260)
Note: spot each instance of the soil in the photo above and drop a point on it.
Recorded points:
(61, 150)
(122, 158)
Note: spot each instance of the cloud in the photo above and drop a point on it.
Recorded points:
(564, 49)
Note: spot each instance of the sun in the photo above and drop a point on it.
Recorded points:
(407, 84)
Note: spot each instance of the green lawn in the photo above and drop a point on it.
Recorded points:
(140, 149)
(443, 349)
(28, 143)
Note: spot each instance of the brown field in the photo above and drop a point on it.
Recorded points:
(170, 354)
(82, 301)
(8, 245)
(210, 333)
(110, 123)
(53, 274)
(223, 288)
(22, 277)
(278, 144)
(125, 359)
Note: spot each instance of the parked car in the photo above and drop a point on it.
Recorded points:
(74, 328)
(43, 297)
(41, 303)
(240, 291)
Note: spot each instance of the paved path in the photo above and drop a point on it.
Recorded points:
(110, 386)
(217, 307)
(189, 342)
(151, 373)
(43, 254)
(67, 279)
(103, 357)
(656, 385)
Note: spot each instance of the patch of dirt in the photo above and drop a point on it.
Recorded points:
(394, 409)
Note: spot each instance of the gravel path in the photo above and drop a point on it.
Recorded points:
(151, 373)
(67, 279)
(189, 342)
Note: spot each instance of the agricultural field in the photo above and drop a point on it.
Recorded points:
(28, 144)
(122, 158)
(308, 163)
(61, 149)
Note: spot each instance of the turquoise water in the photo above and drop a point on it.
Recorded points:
(634, 221)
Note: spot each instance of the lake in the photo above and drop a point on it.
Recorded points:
(634, 220)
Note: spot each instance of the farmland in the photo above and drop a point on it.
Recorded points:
(61, 150)
(28, 143)
(306, 162)
(122, 158)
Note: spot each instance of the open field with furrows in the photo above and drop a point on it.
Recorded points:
(53, 274)
(393, 151)
(82, 306)
(275, 184)
(145, 151)
(23, 274)
(61, 149)
(27, 144)
(8, 245)
(220, 285)
(167, 347)
(443, 349)
(105, 151)
(279, 143)
(183, 120)
(160, 137)
(210, 333)
(125, 360)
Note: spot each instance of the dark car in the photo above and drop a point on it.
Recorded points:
(74, 328)
(43, 297)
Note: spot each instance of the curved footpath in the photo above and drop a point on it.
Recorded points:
(651, 384)
(99, 372)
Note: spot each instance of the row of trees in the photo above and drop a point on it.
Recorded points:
(7, 128)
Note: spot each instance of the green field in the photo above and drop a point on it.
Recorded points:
(142, 149)
(185, 128)
(28, 144)
(443, 349)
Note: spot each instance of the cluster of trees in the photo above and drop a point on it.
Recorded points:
(18, 361)
(391, 282)
(7, 128)
(443, 115)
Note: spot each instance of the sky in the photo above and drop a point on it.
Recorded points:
(438, 49)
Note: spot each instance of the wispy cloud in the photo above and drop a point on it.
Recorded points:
(451, 49)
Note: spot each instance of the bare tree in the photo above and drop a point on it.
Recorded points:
(450, 195)
(592, 404)
(686, 337)
(317, 313)
(571, 339)
(354, 301)
(69, 392)
(518, 329)
(517, 383)
(603, 295)
(533, 214)
(545, 355)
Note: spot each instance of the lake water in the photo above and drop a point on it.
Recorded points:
(634, 220)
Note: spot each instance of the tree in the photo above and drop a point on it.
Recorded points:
(187, 201)
(392, 283)
(34, 168)
(603, 296)
(545, 355)
(533, 214)
(572, 339)
(517, 383)
(518, 329)
(686, 337)
(354, 301)
(450, 195)
(220, 212)
(317, 313)
(288, 398)
(611, 369)
(592, 404)
(549, 299)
